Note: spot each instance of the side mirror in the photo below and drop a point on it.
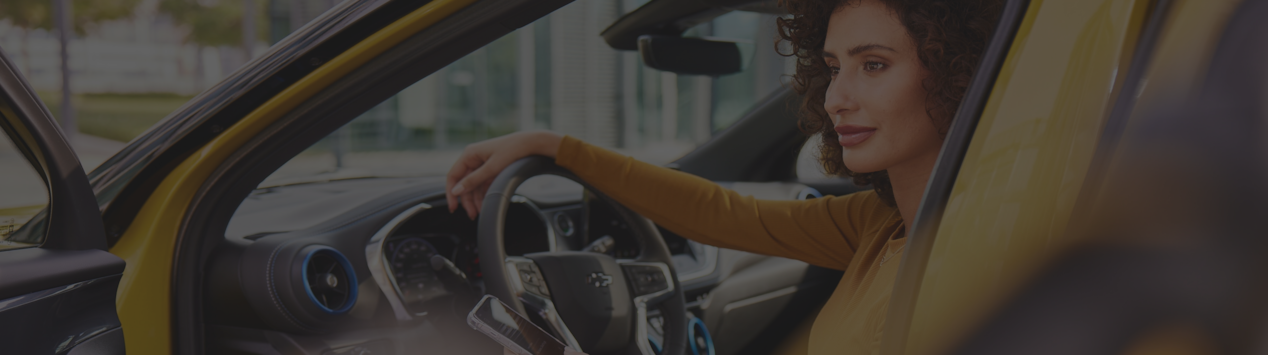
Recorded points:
(690, 56)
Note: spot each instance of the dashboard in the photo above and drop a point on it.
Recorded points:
(415, 266)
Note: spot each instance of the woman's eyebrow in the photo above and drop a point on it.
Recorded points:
(867, 47)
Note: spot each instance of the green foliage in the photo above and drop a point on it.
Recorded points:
(28, 14)
(90, 12)
(214, 22)
(38, 14)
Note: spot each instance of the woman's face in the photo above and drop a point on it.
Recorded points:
(876, 99)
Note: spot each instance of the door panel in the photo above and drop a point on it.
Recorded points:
(61, 319)
(1164, 292)
(35, 269)
(58, 295)
(1024, 169)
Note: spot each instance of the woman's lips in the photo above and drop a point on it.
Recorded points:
(851, 135)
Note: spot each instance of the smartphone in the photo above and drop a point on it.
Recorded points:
(514, 331)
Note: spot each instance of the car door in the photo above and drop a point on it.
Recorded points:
(1005, 193)
(57, 283)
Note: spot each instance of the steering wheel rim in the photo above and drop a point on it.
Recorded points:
(500, 282)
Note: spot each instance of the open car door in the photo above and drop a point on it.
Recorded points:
(57, 282)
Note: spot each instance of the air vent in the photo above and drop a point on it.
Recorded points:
(329, 280)
(698, 337)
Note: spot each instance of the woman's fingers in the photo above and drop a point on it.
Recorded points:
(482, 174)
(472, 198)
(467, 162)
(469, 178)
(473, 186)
(452, 189)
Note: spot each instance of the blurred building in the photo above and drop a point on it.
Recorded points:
(558, 74)
(144, 53)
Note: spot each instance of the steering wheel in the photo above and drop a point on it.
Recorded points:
(605, 300)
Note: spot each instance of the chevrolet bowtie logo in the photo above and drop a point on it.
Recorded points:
(599, 279)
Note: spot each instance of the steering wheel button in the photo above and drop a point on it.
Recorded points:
(529, 278)
(646, 279)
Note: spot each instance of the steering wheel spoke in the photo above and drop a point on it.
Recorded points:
(650, 282)
(530, 289)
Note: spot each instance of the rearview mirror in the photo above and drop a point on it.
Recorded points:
(690, 56)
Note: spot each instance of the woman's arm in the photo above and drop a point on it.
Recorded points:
(824, 232)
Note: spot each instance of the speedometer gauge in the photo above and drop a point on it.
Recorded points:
(412, 273)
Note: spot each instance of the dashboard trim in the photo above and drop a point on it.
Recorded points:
(377, 263)
(809, 193)
(710, 256)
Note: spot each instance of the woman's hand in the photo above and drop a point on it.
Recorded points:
(480, 163)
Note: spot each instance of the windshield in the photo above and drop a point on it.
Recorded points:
(555, 74)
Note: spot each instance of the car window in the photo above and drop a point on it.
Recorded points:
(764, 68)
(555, 74)
(23, 194)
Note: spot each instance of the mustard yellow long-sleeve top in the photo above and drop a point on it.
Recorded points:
(856, 233)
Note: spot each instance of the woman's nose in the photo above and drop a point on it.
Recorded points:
(838, 99)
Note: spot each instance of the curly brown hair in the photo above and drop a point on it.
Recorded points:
(950, 36)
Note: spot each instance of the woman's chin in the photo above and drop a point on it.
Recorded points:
(861, 161)
(862, 168)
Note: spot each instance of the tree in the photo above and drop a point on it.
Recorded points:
(215, 23)
(27, 15)
(83, 14)
(38, 14)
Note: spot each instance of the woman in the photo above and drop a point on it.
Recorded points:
(881, 81)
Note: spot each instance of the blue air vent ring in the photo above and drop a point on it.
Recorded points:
(329, 280)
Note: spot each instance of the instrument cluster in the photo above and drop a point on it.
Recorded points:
(417, 261)
(412, 273)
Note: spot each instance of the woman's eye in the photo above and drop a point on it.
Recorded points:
(873, 66)
(833, 71)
